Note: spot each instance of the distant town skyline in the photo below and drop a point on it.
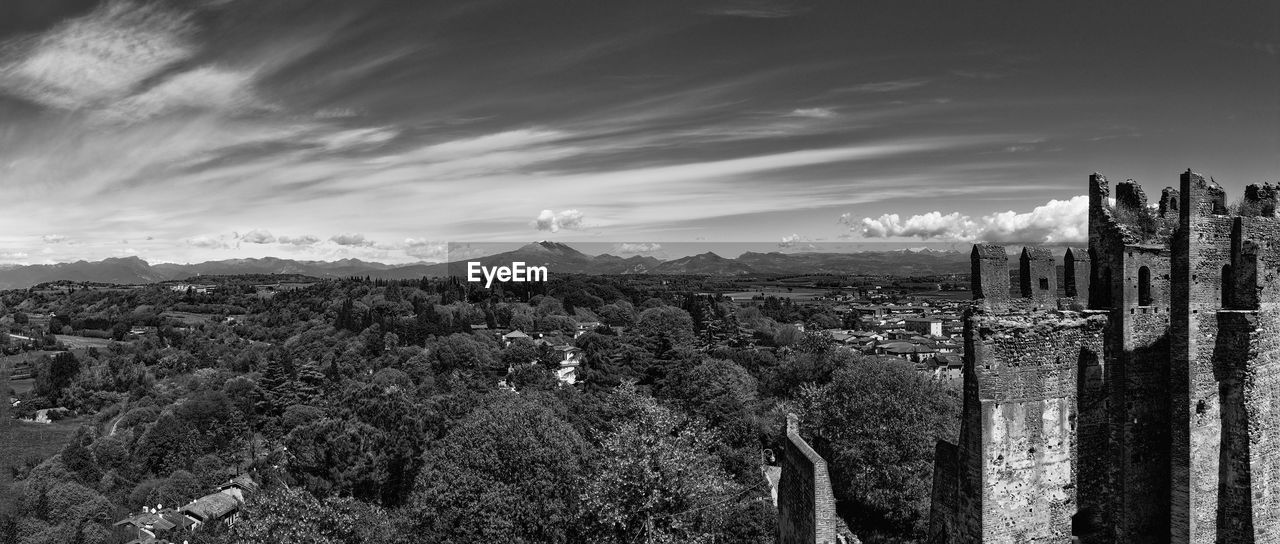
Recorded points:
(322, 130)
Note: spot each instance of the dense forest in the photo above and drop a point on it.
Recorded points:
(376, 411)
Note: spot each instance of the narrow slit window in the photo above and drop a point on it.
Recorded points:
(1227, 294)
(1144, 286)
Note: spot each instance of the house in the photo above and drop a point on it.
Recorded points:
(156, 525)
(512, 336)
(906, 350)
(152, 524)
(570, 359)
(924, 325)
(586, 327)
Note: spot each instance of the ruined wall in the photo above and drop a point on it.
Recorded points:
(1026, 370)
(1075, 273)
(989, 273)
(944, 499)
(1152, 417)
(1202, 252)
(806, 503)
(1131, 280)
(1011, 478)
(1038, 275)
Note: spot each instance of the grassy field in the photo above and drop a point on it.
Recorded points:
(189, 318)
(796, 294)
(21, 440)
(82, 342)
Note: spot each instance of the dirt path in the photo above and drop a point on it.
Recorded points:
(115, 422)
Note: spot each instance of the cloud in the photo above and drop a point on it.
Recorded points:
(1056, 222)
(304, 240)
(1272, 49)
(628, 248)
(789, 241)
(207, 242)
(426, 249)
(97, 57)
(360, 138)
(757, 9)
(53, 238)
(814, 113)
(351, 240)
(888, 86)
(207, 88)
(258, 236)
(551, 221)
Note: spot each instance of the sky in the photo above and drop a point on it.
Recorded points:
(382, 130)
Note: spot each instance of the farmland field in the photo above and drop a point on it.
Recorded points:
(189, 318)
(20, 440)
(796, 294)
(80, 342)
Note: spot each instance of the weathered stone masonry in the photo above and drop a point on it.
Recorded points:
(1141, 407)
(806, 503)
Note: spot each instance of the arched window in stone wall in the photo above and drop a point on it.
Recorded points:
(1144, 286)
(1228, 294)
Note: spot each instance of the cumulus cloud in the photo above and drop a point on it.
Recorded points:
(426, 249)
(628, 248)
(207, 242)
(352, 239)
(1058, 221)
(552, 221)
(304, 240)
(258, 236)
(53, 238)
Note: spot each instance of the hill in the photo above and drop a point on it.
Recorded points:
(559, 258)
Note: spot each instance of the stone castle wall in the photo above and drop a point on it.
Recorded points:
(1151, 417)
(806, 503)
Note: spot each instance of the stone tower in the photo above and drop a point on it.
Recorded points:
(1155, 378)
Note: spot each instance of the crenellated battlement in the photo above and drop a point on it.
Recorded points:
(1147, 417)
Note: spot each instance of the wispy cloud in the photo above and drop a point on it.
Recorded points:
(757, 9)
(887, 86)
(816, 113)
(98, 57)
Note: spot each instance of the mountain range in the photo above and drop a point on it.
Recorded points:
(559, 258)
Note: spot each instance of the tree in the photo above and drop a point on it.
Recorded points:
(665, 329)
(293, 516)
(879, 420)
(725, 395)
(509, 472)
(654, 480)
